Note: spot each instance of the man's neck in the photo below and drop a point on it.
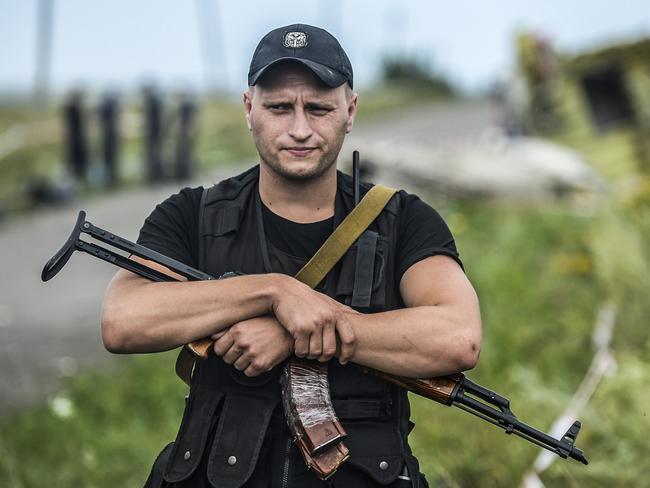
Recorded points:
(301, 201)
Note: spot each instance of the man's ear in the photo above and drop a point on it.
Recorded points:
(352, 112)
(248, 104)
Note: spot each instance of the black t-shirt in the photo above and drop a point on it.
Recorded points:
(172, 229)
(299, 240)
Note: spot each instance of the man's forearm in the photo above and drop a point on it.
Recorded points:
(418, 342)
(141, 316)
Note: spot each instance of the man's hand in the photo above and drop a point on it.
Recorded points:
(254, 346)
(315, 321)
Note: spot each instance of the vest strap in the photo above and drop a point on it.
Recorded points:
(364, 270)
(362, 409)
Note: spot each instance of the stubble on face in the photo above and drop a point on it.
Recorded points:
(323, 113)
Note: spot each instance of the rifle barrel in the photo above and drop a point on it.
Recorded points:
(508, 422)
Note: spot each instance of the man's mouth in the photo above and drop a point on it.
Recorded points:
(300, 151)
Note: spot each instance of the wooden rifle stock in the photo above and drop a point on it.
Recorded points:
(201, 348)
(441, 389)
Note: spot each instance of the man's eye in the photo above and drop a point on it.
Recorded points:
(279, 107)
(319, 110)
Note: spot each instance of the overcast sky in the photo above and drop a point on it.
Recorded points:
(119, 43)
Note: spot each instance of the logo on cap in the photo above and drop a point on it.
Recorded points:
(295, 39)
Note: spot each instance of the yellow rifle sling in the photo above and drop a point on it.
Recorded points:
(345, 235)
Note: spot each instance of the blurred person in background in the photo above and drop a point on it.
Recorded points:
(109, 113)
(76, 144)
(398, 301)
(153, 134)
(185, 135)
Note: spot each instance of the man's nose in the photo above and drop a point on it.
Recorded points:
(300, 128)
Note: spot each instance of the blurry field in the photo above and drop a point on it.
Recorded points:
(542, 273)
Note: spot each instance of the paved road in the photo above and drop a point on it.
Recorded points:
(459, 148)
(444, 122)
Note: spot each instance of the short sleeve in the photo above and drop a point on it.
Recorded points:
(422, 232)
(172, 227)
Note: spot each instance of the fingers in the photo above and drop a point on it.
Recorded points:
(218, 335)
(323, 346)
(223, 344)
(347, 339)
(255, 346)
(253, 370)
(315, 333)
(301, 344)
(232, 355)
(316, 343)
(242, 363)
(226, 348)
(239, 359)
(329, 343)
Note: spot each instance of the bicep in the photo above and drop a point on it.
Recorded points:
(438, 281)
(422, 233)
(438, 285)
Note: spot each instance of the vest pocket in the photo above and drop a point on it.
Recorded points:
(238, 439)
(362, 280)
(376, 449)
(196, 425)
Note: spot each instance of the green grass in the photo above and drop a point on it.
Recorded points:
(100, 430)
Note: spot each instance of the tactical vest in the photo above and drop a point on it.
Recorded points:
(227, 414)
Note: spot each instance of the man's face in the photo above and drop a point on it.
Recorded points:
(298, 123)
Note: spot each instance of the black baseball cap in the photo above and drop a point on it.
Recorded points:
(311, 46)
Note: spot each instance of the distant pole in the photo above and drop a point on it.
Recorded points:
(43, 52)
(211, 40)
(203, 44)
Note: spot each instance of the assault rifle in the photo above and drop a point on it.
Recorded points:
(322, 452)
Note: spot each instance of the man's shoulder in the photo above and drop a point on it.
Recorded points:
(185, 198)
(230, 188)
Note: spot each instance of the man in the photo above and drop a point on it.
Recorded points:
(409, 310)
